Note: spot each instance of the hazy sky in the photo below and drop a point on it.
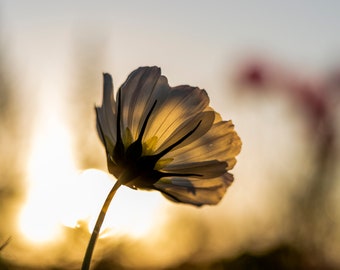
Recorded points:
(194, 42)
(181, 33)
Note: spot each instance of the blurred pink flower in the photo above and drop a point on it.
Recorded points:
(256, 74)
(314, 96)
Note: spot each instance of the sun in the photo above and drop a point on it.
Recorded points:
(59, 195)
(50, 169)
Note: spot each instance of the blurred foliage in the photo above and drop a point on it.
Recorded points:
(313, 222)
(280, 258)
(12, 151)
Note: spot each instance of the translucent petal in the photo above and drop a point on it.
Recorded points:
(201, 122)
(194, 191)
(139, 92)
(206, 169)
(174, 108)
(106, 117)
(221, 143)
(182, 104)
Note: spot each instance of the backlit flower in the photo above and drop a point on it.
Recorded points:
(166, 138)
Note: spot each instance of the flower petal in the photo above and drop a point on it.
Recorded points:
(197, 125)
(106, 117)
(142, 88)
(221, 143)
(194, 191)
(175, 106)
(183, 106)
(205, 169)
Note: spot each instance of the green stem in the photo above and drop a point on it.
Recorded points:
(95, 233)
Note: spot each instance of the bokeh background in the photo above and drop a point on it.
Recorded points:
(273, 67)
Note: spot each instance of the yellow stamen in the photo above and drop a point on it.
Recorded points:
(149, 146)
(162, 163)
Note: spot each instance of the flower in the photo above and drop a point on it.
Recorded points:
(166, 138)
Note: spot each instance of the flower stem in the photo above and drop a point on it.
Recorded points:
(95, 233)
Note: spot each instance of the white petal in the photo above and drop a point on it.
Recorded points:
(106, 118)
(142, 88)
(198, 125)
(221, 143)
(182, 106)
(193, 191)
(175, 107)
(206, 169)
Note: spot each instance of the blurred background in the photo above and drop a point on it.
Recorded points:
(272, 67)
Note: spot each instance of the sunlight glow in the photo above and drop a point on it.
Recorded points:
(50, 170)
(133, 213)
(58, 195)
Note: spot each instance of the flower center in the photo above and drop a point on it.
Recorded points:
(132, 161)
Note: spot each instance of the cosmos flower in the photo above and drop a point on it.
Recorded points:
(166, 138)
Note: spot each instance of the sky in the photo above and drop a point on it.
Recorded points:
(52, 47)
(202, 34)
